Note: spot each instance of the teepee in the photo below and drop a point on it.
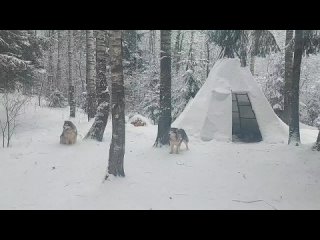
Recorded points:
(230, 106)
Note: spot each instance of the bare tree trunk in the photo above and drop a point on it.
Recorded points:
(288, 74)
(101, 119)
(252, 63)
(59, 76)
(83, 89)
(254, 49)
(50, 70)
(8, 127)
(90, 68)
(317, 146)
(165, 90)
(294, 131)
(243, 52)
(117, 147)
(176, 54)
(208, 55)
(179, 50)
(71, 99)
(190, 53)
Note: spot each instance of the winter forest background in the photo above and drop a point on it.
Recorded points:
(25, 57)
(108, 82)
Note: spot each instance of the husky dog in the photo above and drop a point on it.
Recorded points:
(69, 133)
(176, 137)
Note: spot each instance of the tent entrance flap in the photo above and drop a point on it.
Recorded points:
(245, 127)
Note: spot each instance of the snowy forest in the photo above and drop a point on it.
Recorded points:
(160, 119)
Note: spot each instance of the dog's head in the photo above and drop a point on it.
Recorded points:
(68, 125)
(174, 134)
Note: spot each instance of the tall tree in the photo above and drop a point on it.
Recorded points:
(288, 73)
(190, 53)
(243, 46)
(317, 145)
(59, 72)
(117, 147)
(50, 70)
(208, 53)
(294, 131)
(165, 89)
(90, 68)
(101, 119)
(71, 90)
(177, 53)
(255, 44)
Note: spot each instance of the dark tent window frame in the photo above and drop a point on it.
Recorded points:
(245, 127)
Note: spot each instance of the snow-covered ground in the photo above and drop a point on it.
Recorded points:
(36, 172)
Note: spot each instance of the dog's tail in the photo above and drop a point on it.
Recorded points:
(185, 136)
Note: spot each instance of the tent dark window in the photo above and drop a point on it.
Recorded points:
(245, 127)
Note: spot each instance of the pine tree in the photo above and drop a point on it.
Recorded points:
(235, 43)
(263, 43)
(165, 90)
(19, 58)
(117, 147)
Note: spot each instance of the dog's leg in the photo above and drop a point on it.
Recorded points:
(178, 148)
(187, 145)
(171, 148)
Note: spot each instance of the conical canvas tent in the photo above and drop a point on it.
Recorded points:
(231, 105)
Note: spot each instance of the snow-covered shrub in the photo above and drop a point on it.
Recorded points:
(11, 106)
(57, 100)
(138, 120)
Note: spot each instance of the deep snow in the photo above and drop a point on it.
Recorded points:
(36, 172)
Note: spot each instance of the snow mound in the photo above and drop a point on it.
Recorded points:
(139, 120)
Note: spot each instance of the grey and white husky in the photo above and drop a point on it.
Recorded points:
(176, 137)
(69, 133)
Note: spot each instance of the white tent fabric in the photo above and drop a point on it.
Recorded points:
(209, 115)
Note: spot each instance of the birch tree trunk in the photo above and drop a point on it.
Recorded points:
(294, 131)
(288, 74)
(165, 89)
(101, 118)
(59, 76)
(90, 68)
(71, 89)
(117, 147)
(50, 70)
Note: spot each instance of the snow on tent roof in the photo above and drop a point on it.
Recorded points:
(209, 115)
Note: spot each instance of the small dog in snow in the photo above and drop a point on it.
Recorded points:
(176, 137)
(69, 133)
